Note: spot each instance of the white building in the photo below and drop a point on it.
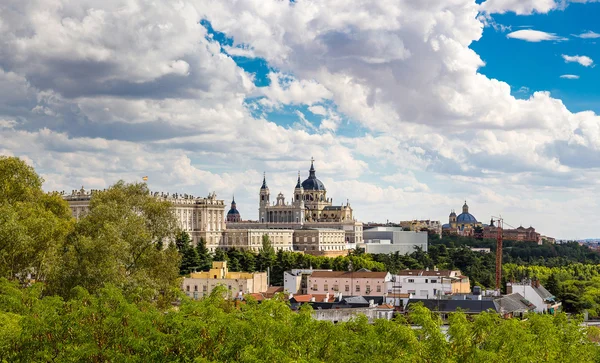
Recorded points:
(427, 284)
(200, 217)
(535, 293)
(296, 280)
(392, 239)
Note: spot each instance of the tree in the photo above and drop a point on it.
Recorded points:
(219, 255)
(204, 258)
(115, 243)
(266, 255)
(182, 241)
(189, 255)
(33, 224)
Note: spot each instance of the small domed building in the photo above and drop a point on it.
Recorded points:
(463, 224)
(233, 215)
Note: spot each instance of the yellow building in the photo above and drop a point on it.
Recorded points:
(201, 284)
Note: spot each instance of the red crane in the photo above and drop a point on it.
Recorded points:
(500, 223)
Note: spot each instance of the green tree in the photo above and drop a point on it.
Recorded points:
(33, 224)
(189, 255)
(266, 255)
(116, 243)
(204, 258)
(219, 255)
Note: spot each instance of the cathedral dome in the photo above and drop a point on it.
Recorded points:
(233, 215)
(466, 218)
(312, 183)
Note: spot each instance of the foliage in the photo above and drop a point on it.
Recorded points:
(115, 243)
(107, 326)
(33, 224)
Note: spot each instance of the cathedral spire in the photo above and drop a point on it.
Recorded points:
(298, 184)
(264, 184)
(312, 168)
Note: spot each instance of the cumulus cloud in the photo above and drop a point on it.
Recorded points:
(535, 36)
(581, 59)
(165, 99)
(569, 76)
(519, 7)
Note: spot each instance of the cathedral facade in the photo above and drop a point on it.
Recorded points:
(309, 204)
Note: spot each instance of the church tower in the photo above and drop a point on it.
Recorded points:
(264, 200)
(298, 203)
(465, 208)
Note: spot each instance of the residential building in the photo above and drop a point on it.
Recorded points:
(393, 239)
(534, 292)
(429, 284)
(251, 239)
(513, 305)
(296, 280)
(362, 282)
(200, 284)
(420, 225)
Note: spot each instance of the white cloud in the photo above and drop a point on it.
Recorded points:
(164, 100)
(581, 59)
(588, 35)
(519, 7)
(534, 36)
(569, 76)
(285, 89)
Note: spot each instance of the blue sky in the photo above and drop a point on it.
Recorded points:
(408, 107)
(538, 66)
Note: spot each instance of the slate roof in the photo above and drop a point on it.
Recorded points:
(513, 303)
(544, 294)
(445, 273)
(450, 306)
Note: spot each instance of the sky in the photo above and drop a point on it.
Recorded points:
(409, 107)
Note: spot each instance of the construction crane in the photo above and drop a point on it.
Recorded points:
(499, 233)
(499, 223)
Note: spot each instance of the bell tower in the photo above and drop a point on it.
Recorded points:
(264, 197)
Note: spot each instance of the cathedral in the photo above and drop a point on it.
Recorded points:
(309, 204)
(464, 224)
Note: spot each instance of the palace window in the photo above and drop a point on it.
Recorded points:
(357, 288)
(325, 287)
(347, 288)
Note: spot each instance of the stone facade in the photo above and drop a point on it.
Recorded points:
(320, 241)
(200, 217)
(419, 225)
(251, 239)
(309, 204)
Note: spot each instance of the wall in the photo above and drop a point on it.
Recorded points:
(401, 241)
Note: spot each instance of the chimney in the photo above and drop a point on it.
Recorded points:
(371, 303)
(326, 297)
(435, 268)
(427, 269)
(312, 299)
(290, 296)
